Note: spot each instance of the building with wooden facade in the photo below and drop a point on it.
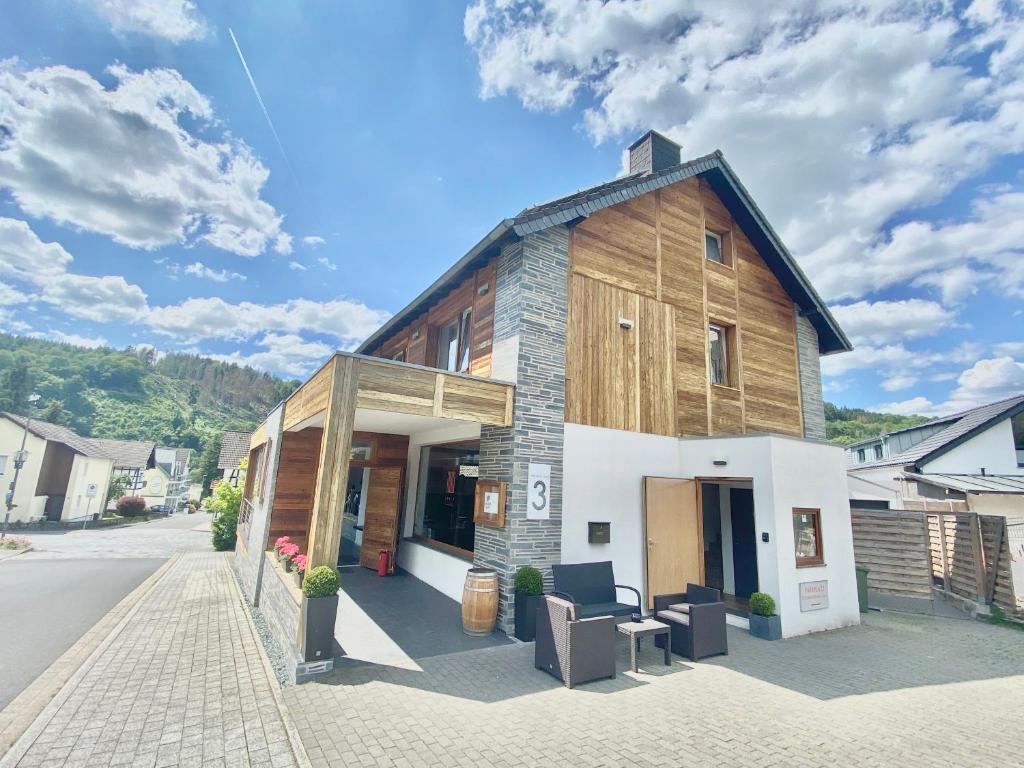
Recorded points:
(634, 366)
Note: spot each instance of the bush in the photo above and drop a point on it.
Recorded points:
(322, 581)
(226, 502)
(14, 542)
(131, 506)
(529, 581)
(762, 604)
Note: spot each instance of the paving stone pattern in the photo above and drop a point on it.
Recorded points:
(181, 684)
(899, 690)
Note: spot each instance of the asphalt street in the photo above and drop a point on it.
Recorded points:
(51, 596)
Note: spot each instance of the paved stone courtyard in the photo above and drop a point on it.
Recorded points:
(899, 690)
(180, 682)
(156, 538)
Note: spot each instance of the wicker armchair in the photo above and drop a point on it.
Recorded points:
(696, 619)
(573, 650)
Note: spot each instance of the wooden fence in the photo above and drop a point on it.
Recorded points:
(910, 553)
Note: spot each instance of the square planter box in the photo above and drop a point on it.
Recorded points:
(317, 627)
(526, 616)
(766, 627)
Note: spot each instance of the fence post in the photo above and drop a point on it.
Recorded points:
(978, 551)
(946, 585)
(993, 571)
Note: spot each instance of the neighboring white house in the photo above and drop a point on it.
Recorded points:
(975, 457)
(65, 476)
(174, 462)
(234, 447)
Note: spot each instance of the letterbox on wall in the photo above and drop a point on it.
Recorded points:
(599, 533)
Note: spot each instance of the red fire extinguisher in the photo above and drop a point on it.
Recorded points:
(382, 563)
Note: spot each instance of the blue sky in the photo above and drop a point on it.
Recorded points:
(144, 198)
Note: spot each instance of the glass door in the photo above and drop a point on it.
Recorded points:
(353, 516)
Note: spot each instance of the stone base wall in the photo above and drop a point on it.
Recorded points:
(247, 566)
(281, 605)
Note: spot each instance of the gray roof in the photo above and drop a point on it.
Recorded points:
(132, 454)
(570, 208)
(972, 483)
(234, 446)
(962, 427)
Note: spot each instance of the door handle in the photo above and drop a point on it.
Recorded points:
(651, 542)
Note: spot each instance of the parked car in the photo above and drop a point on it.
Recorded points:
(160, 509)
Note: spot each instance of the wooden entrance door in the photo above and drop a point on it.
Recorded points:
(380, 528)
(674, 537)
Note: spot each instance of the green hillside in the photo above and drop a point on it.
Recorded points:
(850, 425)
(174, 400)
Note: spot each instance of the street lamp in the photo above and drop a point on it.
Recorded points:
(20, 457)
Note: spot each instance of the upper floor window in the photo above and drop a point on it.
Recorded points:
(713, 247)
(453, 343)
(807, 537)
(878, 451)
(718, 343)
(861, 456)
(3, 464)
(156, 485)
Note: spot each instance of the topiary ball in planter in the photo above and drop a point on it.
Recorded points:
(529, 585)
(319, 611)
(764, 623)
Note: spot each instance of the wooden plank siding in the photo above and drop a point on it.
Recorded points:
(893, 546)
(417, 339)
(643, 261)
(296, 479)
(309, 399)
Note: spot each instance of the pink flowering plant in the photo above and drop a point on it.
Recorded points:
(281, 541)
(300, 562)
(286, 553)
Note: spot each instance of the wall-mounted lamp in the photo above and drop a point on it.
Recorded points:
(626, 324)
(719, 461)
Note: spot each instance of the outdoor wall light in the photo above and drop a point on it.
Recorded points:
(483, 289)
(626, 324)
(720, 461)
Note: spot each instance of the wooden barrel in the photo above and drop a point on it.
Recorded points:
(480, 601)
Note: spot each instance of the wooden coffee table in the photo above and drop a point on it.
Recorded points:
(635, 630)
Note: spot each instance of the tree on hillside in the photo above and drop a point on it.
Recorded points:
(206, 469)
(15, 387)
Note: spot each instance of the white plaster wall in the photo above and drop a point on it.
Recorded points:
(1002, 504)
(603, 471)
(86, 470)
(24, 495)
(445, 573)
(992, 449)
(603, 481)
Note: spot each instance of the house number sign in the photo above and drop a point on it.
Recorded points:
(538, 492)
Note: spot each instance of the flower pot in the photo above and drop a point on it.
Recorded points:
(288, 565)
(766, 627)
(299, 576)
(526, 616)
(317, 627)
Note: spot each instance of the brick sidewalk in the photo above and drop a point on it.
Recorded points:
(181, 682)
(897, 691)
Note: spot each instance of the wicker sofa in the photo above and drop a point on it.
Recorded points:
(592, 587)
(696, 619)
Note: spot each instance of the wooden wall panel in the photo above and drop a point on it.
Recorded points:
(417, 339)
(652, 250)
(310, 398)
(296, 481)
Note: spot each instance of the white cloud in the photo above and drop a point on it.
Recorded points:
(327, 264)
(837, 114)
(883, 322)
(286, 354)
(217, 275)
(173, 20)
(898, 382)
(313, 240)
(10, 296)
(984, 382)
(128, 162)
(296, 266)
(1010, 348)
(89, 342)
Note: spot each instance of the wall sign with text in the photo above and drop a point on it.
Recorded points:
(538, 492)
(489, 504)
(813, 595)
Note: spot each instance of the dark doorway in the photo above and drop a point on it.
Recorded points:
(744, 541)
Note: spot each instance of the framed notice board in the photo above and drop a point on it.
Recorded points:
(489, 504)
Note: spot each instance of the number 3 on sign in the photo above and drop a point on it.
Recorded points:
(538, 492)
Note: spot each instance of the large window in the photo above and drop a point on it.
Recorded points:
(447, 490)
(453, 343)
(807, 537)
(718, 342)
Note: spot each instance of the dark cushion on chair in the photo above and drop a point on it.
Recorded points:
(589, 610)
(586, 582)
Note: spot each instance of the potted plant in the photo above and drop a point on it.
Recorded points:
(300, 562)
(279, 542)
(286, 553)
(764, 622)
(529, 588)
(319, 610)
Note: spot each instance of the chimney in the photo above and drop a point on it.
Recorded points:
(653, 152)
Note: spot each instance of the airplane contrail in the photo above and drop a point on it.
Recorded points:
(259, 98)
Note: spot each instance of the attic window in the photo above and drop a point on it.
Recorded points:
(713, 247)
(861, 456)
(878, 451)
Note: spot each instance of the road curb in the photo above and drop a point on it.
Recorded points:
(298, 750)
(28, 713)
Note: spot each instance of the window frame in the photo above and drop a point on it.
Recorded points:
(818, 559)
(462, 323)
(721, 260)
(879, 452)
(3, 463)
(724, 343)
(862, 455)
